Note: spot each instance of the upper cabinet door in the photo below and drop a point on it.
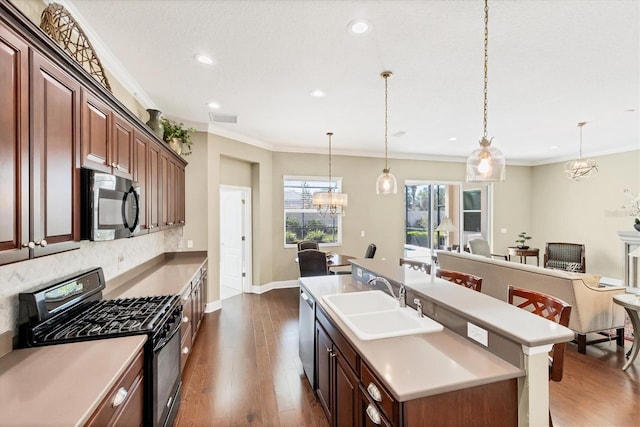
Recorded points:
(141, 174)
(96, 133)
(122, 147)
(55, 179)
(14, 147)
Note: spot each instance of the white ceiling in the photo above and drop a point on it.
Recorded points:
(552, 64)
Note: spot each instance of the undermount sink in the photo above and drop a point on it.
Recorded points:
(373, 315)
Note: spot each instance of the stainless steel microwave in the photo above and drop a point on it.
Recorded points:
(110, 206)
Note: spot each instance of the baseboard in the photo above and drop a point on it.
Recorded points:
(210, 307)
(274, 285)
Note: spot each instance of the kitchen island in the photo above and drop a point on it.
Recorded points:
(415, 367)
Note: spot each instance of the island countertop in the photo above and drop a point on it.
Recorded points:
(417, 365)
(511, 322)
(62, 385)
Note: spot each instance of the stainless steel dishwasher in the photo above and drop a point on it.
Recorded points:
(307, 318)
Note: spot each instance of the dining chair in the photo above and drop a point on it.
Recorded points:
(565, 256)
(481, 247)
(312, 262)
(416, 265)
(550, 308)
(467, 280)
(371, 251)
(308, 244)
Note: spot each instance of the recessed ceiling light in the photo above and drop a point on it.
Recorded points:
(399, 134)
(359, 26)
(554, 147)
(453, 138)
(213, 105)
(317, 93)
(204, 59)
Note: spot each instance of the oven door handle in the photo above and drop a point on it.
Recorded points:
(167, 338)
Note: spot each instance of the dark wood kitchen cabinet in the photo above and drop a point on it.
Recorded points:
(192, 313)
(14, 146)
(146, 172)
(107, 139)
(39, 182)
(124, 405)
(337, 381)
(55, 180)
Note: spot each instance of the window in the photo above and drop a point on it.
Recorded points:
(472, 210)
(302, 220)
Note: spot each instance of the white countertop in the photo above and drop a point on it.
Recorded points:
(62, 385)
(418, 365)
(508, 320)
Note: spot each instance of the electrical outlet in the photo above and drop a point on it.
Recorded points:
(362, 233)
(478, 334)
(503, 230)
(189, 243)
(359, 272)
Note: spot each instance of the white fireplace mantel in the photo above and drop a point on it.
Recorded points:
(630, 242)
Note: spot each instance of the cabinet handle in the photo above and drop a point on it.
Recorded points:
(181, 221)
(374, 392)
(373, 414)
(113, 165)
(118, 167)
(170, 223)
(185, 319)
(120, 396)
(29, 245)
(185, 350)
(42, 243)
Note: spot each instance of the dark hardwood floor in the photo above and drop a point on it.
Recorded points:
(245, 371)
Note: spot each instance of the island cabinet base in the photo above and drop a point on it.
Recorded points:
(494, 404)
(351, 394)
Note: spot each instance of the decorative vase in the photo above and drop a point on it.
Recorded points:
(176, 145)
(154, 122)
(636, 226)
(522, 247)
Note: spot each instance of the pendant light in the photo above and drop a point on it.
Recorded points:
(580, 168)
(386, 182)
(330, 202)
(486, 163)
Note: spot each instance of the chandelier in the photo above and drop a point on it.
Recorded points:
(580, 168)
(486, 163)
(330, 202)
(386, 182)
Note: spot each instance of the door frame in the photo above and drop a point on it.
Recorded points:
(247, 281)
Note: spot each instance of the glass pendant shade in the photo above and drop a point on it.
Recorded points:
(386, 183)
(486, 164)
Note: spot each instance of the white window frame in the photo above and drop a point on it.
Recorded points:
(336, 183)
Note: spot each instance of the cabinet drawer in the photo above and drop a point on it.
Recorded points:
(185, 349)
(187, 312)
(378, 393)
(127, 391)
(370, 413)
(339, 340)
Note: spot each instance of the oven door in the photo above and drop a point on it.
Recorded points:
(166, 377)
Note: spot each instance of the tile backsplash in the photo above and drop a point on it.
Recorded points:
(115, 257)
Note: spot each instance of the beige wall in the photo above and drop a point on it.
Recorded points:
(588, 211)
(235, 172)
(197, 192)
(380, 217)
(220, 152)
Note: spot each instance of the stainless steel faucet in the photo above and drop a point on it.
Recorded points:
(418, 304)
(402, 299)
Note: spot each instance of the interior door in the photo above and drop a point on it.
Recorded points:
(232, 239)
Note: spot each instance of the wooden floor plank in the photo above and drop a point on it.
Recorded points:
(244, 371)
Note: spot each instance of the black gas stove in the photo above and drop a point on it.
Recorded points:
(71, 309)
